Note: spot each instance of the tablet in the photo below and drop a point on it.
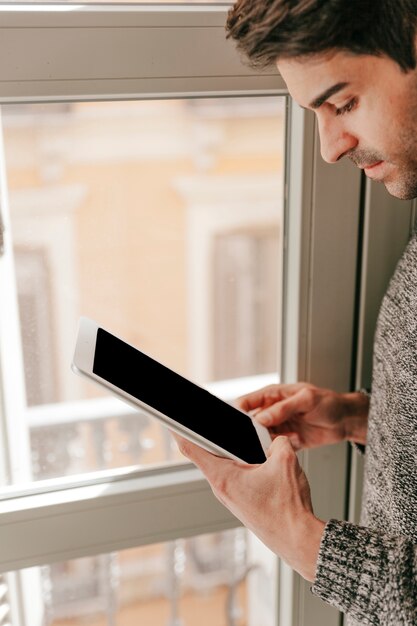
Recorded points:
(181, 405)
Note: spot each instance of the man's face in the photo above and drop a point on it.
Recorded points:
(366, 108)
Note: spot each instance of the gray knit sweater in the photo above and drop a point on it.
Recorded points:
(370, 571)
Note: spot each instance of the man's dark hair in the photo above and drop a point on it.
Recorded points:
(266, 30)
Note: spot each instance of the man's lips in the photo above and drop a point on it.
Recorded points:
(372, 169)
(370, 166)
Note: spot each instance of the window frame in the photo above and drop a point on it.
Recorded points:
(116, 511)
(57, 77)
(318, 335)
(52, 61)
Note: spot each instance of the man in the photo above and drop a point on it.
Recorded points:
(354, 64)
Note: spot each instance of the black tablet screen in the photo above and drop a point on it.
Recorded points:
(176, 397)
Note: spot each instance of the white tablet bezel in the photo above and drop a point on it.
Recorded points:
(83, 361)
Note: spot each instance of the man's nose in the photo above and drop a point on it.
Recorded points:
(335, 141)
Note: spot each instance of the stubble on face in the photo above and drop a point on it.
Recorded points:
(401, 155)
(405, 187)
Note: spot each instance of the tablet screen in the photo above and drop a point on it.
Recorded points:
(176, 397)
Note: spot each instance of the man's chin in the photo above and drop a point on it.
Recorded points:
(402, 189)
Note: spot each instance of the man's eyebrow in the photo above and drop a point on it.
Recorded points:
(321, 99)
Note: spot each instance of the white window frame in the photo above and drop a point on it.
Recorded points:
(74, 52)
(320, 275)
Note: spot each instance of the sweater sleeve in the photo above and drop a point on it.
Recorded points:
(367, 574)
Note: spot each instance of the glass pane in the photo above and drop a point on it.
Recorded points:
(204, 580)
(161, 220)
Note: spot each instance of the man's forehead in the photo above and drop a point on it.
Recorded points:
(307, 77)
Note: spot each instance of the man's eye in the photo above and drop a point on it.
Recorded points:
(347, 107)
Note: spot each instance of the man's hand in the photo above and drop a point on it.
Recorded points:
(271, 499)
(307, 415)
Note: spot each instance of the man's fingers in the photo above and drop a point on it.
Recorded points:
(281, 445)
(190, 449)
(261, 397)
(301, 402)
(266, 396)
(281, 456)
(206, 461)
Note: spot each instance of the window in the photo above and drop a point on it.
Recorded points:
(82, 75)
(140, 215)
